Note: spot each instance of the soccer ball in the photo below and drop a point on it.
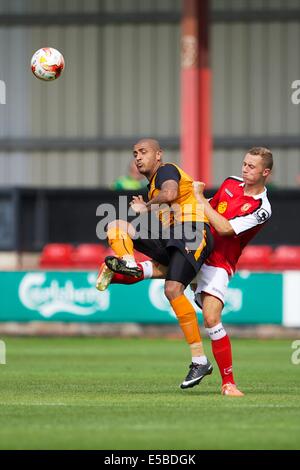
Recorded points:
(47, 63)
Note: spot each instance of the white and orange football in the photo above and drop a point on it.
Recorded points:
(47, 63)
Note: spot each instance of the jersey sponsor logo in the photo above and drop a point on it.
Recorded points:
(245, 207)
(262, 215)
(222, 206)
(228, 192)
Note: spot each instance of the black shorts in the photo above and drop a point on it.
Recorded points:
(182, 248)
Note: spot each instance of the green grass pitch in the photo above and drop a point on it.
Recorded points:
(95, 393)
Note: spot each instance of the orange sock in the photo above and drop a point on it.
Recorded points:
(120, 242)
(187, 318)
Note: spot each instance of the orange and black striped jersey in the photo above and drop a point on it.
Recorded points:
(185, 208)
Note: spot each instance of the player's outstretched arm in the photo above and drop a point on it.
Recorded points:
(220, 223)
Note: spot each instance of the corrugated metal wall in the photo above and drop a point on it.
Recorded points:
(42, 6)
(254, 66)
(14, 115)
(124, 80)
(119, 80)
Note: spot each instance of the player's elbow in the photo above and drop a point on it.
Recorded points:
(170, 195)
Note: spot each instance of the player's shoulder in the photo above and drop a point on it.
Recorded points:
(168, 167)
(167, 171)
(264, 210)
(231, 182)
(260, 208)
(265, 200)
(234, 180)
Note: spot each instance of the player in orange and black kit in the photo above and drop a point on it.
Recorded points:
(238, 210)
(180, 240)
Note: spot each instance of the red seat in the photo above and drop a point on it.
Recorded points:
(89, 255)
(56, 255)
(286, 257)
(109, 252)
(255, 257)
(139, 257)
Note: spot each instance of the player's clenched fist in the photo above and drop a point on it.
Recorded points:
(198, 187)
(138, 204)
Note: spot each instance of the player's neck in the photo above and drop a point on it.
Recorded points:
(150, 175)
(253, 189)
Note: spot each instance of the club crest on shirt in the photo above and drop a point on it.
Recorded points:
(222, 206)
(245, 207)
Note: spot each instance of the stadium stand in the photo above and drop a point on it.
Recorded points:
(255, 258)
(57, 255)
(91, 255)
(84, 256)
(286, 257)
(88, 255)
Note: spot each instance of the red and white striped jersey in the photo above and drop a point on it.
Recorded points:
(246, 214)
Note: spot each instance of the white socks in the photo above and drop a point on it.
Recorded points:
(199, 360)
(147, 268)
(146, 265)
(216, 332)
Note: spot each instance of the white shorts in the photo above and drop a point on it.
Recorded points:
(211, 280)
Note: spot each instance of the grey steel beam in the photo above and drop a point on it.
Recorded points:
(280, 141)
(256, 16)
(81, 18)
(168, 17)
(65, 143)
(125, 143)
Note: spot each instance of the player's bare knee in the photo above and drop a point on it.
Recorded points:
(211, 320)
(121, 225)
(118, 223)
(173, 289)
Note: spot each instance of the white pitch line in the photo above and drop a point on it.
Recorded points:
(101, 405)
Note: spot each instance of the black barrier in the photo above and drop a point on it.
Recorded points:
(30, 218)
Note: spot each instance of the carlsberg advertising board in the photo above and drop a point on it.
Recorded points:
(72, 297)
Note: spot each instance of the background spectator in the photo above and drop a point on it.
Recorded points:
(133, 180)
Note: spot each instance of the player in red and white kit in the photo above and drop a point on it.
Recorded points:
(236, 213)
(238, 210)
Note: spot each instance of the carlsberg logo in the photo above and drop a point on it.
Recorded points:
(49, 297)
